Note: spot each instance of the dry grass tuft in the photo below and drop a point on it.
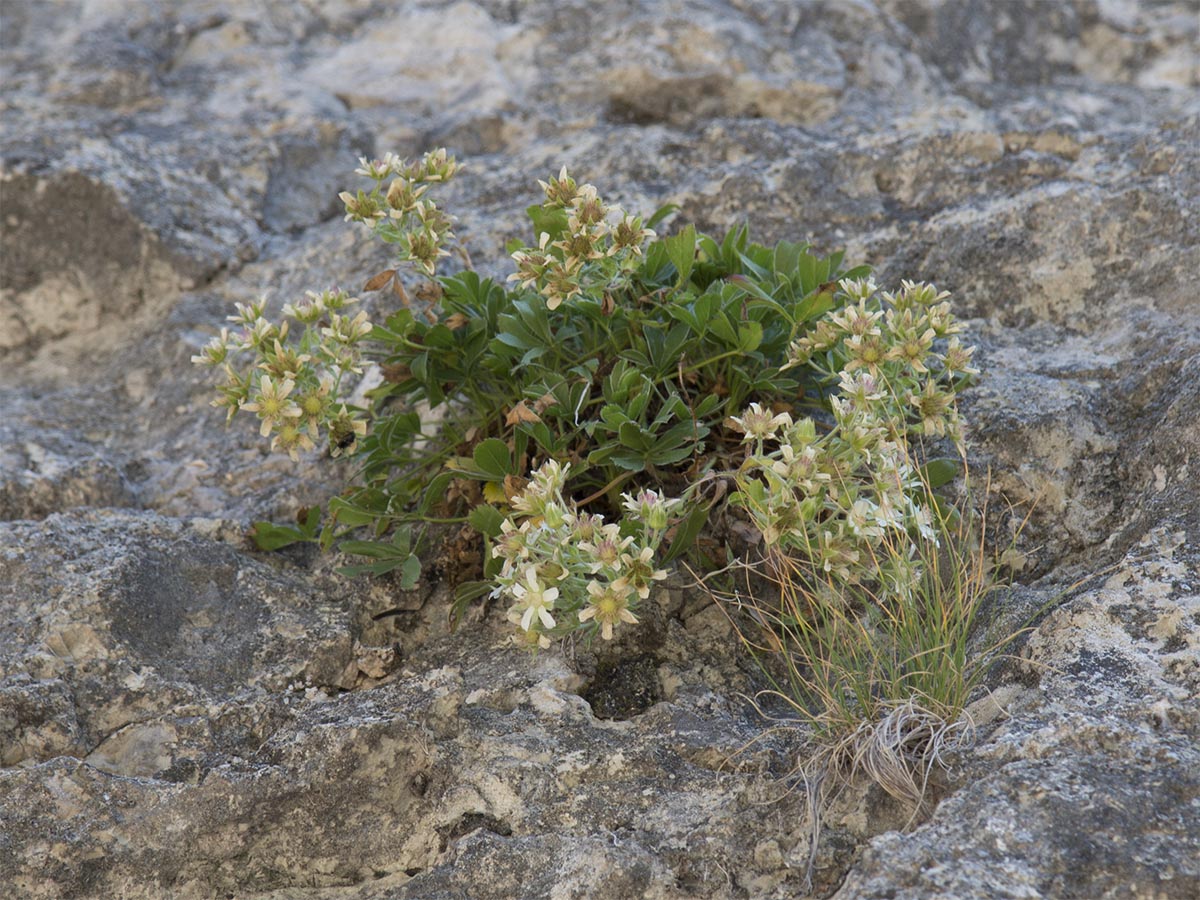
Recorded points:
(880, 672)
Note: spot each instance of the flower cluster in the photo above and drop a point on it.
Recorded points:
(896, 340)
(402, 214)
(842, 500)
(566, 571)
(292, 384)
(595, 250)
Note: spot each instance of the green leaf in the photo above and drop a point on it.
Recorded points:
(351, 512)
(409, 566)
(464, 595)
(755, 269)
(687, 531)
(631, 435)
(269, 536)
(939, 472)
(682, 251)
(661, 213)
(856, 272)
(787, 257)
(486, 519)
(750, 335)
(388, 556)
(410, 572)
(435, 492)
(552, 221)
(493, 458)
(813, 305)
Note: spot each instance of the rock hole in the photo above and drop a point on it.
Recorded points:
(469, 822)
(624, 688)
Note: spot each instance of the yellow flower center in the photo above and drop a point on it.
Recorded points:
(608, 607)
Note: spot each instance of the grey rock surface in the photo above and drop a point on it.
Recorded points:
(183, 717)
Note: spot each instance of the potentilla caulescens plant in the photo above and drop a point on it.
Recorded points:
(291, 381)
(565, 571)
(833, 498)
(614, 371)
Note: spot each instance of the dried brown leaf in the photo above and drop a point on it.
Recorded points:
(521, 413)
(380, 280)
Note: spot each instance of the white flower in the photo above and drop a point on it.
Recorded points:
(650, 508)
(606, 548)
(862, 518)
(272, 403)
(757, 424)
(534, 600)
(378, 168)
(609, 606)
(923, 518)
(551, 476)
(859, 288)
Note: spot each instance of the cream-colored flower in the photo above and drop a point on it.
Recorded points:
(758, 424)
(291, 440)
(630, 235)
(935, 407)
(866, 352)
(534, 600)
(272, 404)
(346, 330)
(378, 169)
(344, 432)
(957, 358)
(861, 517)
(361, 207)
(606, 548)
(314, 405)
(639, 571)
(511, 542)
(857, 320)
(248, 314)
(560, 191)
(215, 351)
(922, 517)
(609, 606)
(860, 289)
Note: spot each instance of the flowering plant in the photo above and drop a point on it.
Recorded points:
(559, 562)
(558, 415)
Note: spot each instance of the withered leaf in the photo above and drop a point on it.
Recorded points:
(514, 485)
(398, 290)
(429, 292)
(521, 413)
(396, 372)
(380, 280)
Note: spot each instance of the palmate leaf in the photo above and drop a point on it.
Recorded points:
(387, 555)
(552, 221)
(269, 536)
(681, 249)
(486, 519)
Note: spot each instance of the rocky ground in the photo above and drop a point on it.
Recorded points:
(182, 717)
